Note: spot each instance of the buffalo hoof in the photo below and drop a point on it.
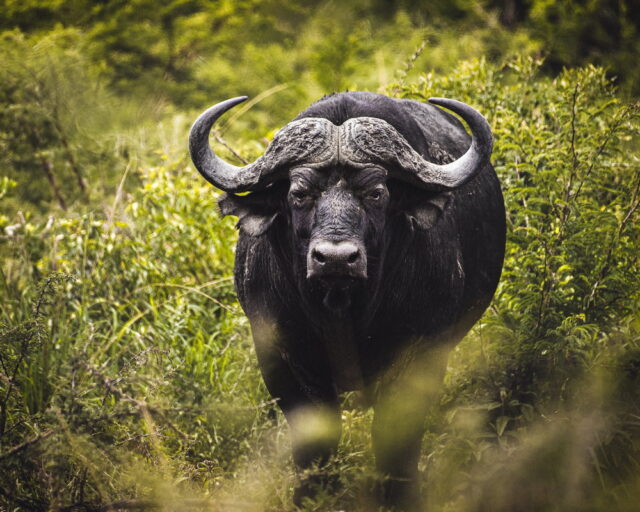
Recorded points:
(398, 495)
(312, 486)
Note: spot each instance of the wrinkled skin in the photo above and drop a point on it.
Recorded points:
(352, 280)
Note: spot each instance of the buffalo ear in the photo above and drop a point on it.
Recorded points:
(424, 213)
(256, 211)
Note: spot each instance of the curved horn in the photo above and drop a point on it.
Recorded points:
(215, 170)
(309, 140)
(478, 154)
(369, 139)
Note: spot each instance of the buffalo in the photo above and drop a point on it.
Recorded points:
(372, 235)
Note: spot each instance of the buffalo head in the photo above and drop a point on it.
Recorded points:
(332, 186)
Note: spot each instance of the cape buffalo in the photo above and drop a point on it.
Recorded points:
(371, 240)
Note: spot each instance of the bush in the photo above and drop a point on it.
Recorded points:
(128, 374)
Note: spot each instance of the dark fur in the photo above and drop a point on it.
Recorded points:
(431, 275)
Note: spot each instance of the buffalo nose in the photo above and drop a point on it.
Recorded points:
(336, 258)
(336, 253)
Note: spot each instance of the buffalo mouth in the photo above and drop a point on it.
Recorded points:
(337, 300)
(337, 291)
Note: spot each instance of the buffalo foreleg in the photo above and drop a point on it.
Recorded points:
(312, 412)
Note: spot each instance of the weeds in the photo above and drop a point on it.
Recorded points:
(133, 384)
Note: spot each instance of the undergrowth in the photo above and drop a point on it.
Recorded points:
(128, 378)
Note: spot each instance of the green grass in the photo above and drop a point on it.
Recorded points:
(128, 372)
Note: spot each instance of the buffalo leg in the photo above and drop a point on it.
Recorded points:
(315, 433)
(404, 396)
(312, 412)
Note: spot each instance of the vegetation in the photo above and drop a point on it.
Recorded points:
(127, 373)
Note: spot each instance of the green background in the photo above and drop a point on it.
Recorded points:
(127, 373)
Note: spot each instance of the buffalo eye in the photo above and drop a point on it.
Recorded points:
(299, 198)
(375, 195)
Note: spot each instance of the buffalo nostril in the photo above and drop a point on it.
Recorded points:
(336, 254)
(318, 256)
(336, 258)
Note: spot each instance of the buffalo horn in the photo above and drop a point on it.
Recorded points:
(310, 141)
(478, 154)
(365, 140)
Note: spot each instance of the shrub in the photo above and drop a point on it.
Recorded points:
(134, 382)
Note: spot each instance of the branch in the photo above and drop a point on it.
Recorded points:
(26, 444)
(613, 129)
(606, 265)
(141, 405)
(220, 140)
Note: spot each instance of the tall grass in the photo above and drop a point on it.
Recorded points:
(128, 378)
